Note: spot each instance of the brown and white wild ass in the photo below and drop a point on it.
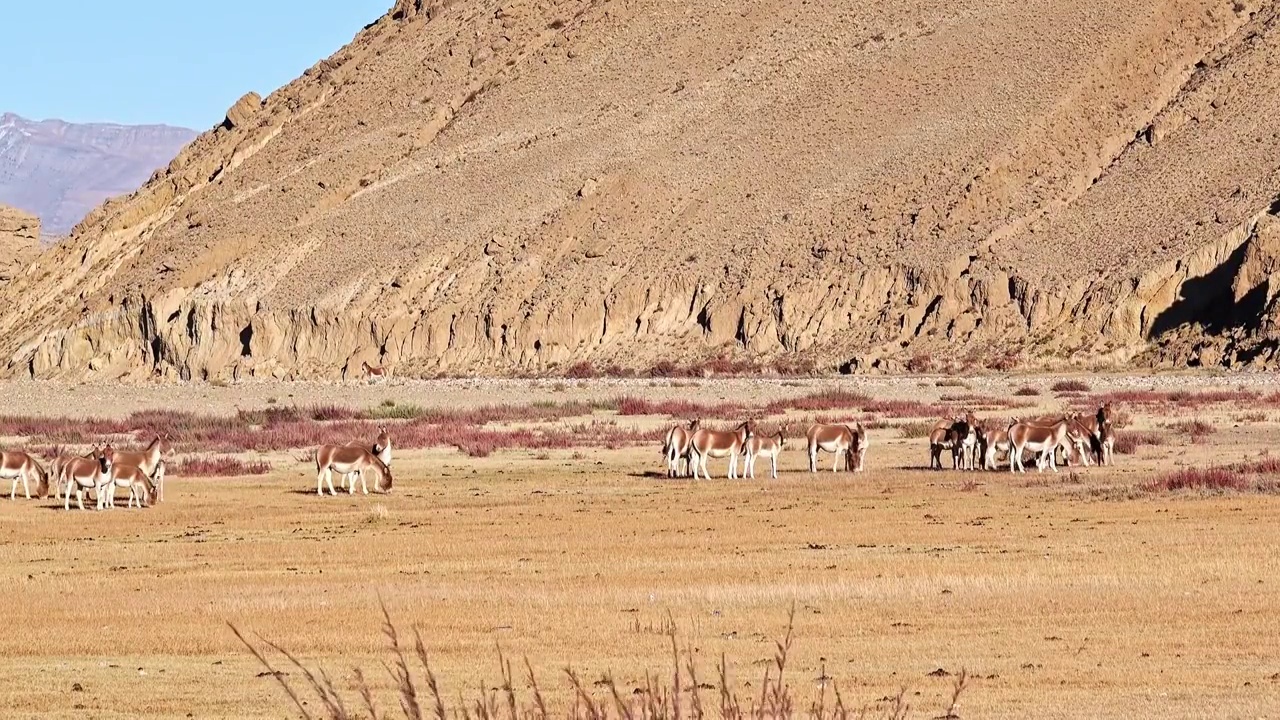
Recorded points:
(149, 460)
(381, 448)
(1107, 444)
(1040, 439)
(994, 440)
(675, 448)
(707, 443)
(939, 440)
(87, 473)
(851, 442)
(21, 467)
(346, 460)
(769, 447)
(373, 374)
(141, 488)
(963, 437)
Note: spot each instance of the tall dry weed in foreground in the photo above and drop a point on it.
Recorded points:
(419, 695)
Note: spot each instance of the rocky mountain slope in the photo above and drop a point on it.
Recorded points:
(521, 185)
(60, 171)
(19, 241)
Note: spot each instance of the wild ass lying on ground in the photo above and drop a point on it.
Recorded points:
(675, 448)
(851, 442)
(769, 447)
(21, 467)
(348, 459)
(718, 444)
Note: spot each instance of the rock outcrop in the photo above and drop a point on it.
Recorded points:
(19, 241)
(514, 187)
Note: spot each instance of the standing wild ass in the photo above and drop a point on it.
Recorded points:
(718, 444)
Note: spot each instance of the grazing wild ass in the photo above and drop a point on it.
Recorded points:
(770, 447)
(141, 488)
(85, 473)
(348, 459)
(21, 467)
(675, 448)
(718, 444)
(381, 448)
(149, 460)
(851, 442)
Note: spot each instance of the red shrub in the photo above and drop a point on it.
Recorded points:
(1070, 386)
(794, 366)
(581, 370)
(830, 399)
(1196, 429)
(331, 412)
(1128, 442)
(972, 401)
(1210, 478)
(630, 405)
(1003, 363)
(665, 368)
(217, 466)
(1132, 397)
(1195, 399)
(905, 408)
(1265, 466)
(920, 363)
(1026, 392)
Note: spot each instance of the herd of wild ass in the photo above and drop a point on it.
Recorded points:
(973, 443)
(142, 472)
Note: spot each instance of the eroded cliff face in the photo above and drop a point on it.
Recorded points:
(503, 187)
(19, 241)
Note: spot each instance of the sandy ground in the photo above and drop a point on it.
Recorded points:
(110, 399)
(1063, 601)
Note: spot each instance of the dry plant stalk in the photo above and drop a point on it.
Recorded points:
(657, 701)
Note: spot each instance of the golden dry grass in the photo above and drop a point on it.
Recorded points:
(1063, 600)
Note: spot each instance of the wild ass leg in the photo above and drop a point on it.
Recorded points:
(773, 461)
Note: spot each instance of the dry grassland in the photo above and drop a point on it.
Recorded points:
(1068, 595)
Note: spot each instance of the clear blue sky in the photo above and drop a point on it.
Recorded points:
(173, 62)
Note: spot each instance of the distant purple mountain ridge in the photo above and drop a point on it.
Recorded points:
(60, 171)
